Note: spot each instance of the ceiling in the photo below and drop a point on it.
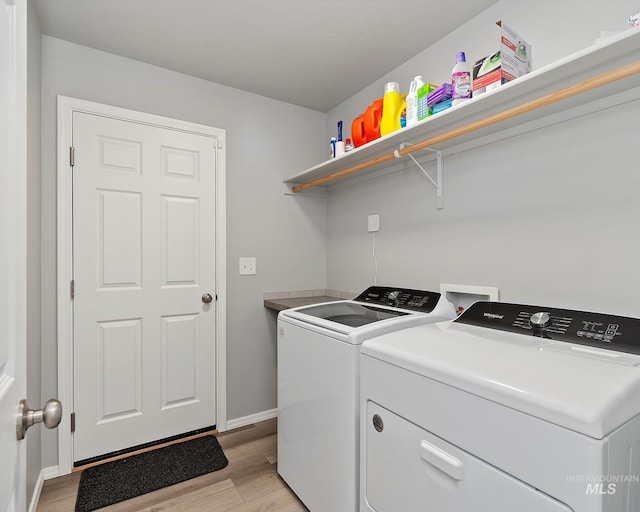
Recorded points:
(311, 53)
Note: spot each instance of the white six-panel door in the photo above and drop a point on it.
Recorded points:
(13, 248)
(143, 258)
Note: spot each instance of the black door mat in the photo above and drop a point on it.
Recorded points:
(123, 479)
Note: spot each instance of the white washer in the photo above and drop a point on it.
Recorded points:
(318, 387)
(509, 407)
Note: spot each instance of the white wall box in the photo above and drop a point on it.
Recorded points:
(462, 295)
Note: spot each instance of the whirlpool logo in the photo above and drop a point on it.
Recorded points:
(493, 316)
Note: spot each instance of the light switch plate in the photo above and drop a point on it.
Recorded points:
(247, 266)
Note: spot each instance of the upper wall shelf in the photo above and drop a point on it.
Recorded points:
(600, 71)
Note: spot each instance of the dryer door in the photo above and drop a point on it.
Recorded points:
(408, 468)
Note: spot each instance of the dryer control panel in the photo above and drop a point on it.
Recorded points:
(581, 327)
(405, 298)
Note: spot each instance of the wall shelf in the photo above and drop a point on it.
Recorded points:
(565, 88)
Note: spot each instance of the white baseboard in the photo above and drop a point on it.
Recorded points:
(51, 472)
(35, 497)
(250, 420)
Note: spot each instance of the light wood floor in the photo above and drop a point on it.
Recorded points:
(249, 483)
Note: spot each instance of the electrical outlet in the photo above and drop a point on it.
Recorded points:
(373, 223)
(247, 266)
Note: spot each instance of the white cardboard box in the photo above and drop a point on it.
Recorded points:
(512, 60)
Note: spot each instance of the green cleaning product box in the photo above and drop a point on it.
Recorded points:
(423, 93)
(512, 60)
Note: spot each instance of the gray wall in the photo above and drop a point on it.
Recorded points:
(553, 225)
(267, 141)
(34, 398)
(549, 217)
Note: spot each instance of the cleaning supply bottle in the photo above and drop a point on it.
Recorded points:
(461, 80)
(391, 108)
(372, 118)
(339, 142)
(358, 132)
(412, 100)
(332, 148)
(348, 146)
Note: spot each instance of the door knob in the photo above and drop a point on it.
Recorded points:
(207, 298)
(50, 415)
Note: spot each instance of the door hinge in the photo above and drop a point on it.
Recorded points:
(72, 156)
(220, 143)
(73, 422)
(73, 289)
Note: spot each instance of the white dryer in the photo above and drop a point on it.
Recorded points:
(318, 387)
(509, 407)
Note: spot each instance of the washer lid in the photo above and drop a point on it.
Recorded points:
(582, 388)
(350, 314)
(374, 311)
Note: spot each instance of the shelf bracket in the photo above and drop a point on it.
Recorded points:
(438, 182)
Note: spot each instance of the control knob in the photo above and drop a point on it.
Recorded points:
(540, 320)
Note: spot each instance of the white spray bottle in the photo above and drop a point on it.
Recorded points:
(412, 100)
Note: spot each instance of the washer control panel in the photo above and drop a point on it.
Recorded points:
(582, 327)
(404, 298)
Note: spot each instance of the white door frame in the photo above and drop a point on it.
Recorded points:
(66, 107)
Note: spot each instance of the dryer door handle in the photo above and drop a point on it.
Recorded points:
(442, 460)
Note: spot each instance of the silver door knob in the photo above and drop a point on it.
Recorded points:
(50, 415)
(207, 298)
